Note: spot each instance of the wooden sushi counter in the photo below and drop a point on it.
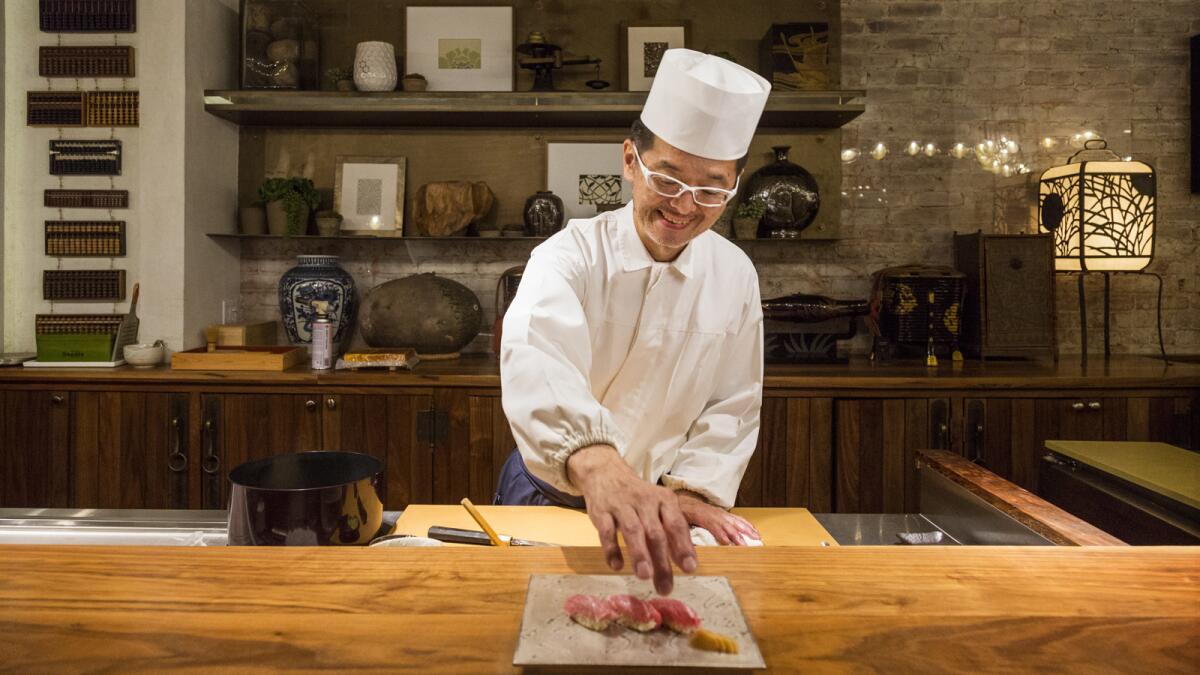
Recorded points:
(812, 609)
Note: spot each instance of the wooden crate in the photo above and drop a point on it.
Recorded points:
(238, 358)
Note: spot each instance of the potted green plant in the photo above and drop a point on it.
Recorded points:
(745, 219)
(329, 223)
(414, 82)
(342, 78)
(289, 201)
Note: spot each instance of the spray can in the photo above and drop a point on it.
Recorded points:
(322, 337)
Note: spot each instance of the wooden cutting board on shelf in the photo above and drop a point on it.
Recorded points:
(569, 527)
(549, 637)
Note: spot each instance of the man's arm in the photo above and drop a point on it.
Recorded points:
(566, 437)
(721, 441)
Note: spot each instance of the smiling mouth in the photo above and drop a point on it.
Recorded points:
(673, 223)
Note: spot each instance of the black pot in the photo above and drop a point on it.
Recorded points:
(306, 499)
(789, 196)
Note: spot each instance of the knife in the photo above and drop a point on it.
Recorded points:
(459, 536)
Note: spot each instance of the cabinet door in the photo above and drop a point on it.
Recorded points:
(394, 428)
(470, 452)
(35, 442)
(876, 444)
(792, 464)
(237, 428)
(130, 450)
(1009, 436)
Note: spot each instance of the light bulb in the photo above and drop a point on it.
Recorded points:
(959, 151)
(1012, 147)
(1048, 142)
(913, 149)
(879, 151)
(995, 166)
(1006, 170)
(849, 155)
(1003, 154)
(981, 149)
(1127, 158)
(930, 150)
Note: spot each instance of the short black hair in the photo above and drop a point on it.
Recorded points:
(643, 139)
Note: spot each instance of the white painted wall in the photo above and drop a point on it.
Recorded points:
(176, 149)
(212, 270)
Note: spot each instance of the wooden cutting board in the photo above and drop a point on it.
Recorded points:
(549, 637)
(569, 527)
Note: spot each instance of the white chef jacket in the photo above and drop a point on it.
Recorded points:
(662, 361)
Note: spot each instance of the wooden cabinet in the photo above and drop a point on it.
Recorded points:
(1008, 435)
(478, 440)
(875, 442)
(792, 465)
(35, 462)
(130, 450)
(237, 428)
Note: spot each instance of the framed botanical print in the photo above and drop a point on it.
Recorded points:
(369, 193)
(642, 49)
(461, 48)
(587, 176)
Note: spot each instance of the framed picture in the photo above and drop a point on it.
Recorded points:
(642, 49)
(461, 48)
(369, 193)
(587, 176)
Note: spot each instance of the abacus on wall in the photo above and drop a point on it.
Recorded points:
(77, 107)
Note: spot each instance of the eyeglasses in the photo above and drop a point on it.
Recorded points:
(673, 187)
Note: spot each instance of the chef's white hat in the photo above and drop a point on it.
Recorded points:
(705, 105)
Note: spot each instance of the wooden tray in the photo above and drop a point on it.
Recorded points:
(238, 358)
(550, 639)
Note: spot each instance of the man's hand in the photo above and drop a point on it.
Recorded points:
(726, 528)
(647, 516)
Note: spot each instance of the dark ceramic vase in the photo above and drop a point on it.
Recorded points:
(316, 277)
(543, 214)
(789, 195)
(433, 315)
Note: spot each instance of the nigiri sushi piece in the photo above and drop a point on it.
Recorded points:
(713, 642)
(635, 613)
(676, 615)
(590, 611)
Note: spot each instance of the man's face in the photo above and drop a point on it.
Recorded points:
(666, 224)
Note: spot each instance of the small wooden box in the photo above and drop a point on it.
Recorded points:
(238, 358)
(1009, 311)
(244, 334)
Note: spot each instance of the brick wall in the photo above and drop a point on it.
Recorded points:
(943, 72)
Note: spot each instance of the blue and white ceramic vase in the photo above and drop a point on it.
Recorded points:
(316, 277)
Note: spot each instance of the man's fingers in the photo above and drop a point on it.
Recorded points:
(746, 528)
(678, 537)
(635, 542)
(608, 539)
(656, 544)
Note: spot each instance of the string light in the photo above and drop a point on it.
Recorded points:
(879, 151)
(913, 149)
(959, 151)
(849, 155)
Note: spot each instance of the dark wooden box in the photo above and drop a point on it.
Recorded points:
(1009, 309)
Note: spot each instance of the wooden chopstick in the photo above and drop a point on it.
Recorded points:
(496, 540)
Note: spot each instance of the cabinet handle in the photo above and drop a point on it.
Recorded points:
(177, 461)
(331, 403)
(1078, 405)
(310, 404)
(211, 462)
(57, 399)
(1094, 405)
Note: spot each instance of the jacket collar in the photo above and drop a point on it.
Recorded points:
(634, 255)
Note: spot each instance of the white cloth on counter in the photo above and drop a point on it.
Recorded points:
(663, 361)
(702, 537)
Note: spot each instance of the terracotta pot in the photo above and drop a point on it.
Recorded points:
(414, 84)
(277, 219)
(252, 220)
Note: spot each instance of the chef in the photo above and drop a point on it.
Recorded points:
(631, 358)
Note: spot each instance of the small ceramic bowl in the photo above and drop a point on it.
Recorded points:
(403, 540)
(144, 355)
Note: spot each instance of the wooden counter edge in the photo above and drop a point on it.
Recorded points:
(1037, 514)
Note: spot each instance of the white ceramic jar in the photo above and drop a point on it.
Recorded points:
(375, 66)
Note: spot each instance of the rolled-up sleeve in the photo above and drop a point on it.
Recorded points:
(721, 441)
(545, 357)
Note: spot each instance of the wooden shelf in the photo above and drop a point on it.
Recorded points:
(266, 107)
(343, 237)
